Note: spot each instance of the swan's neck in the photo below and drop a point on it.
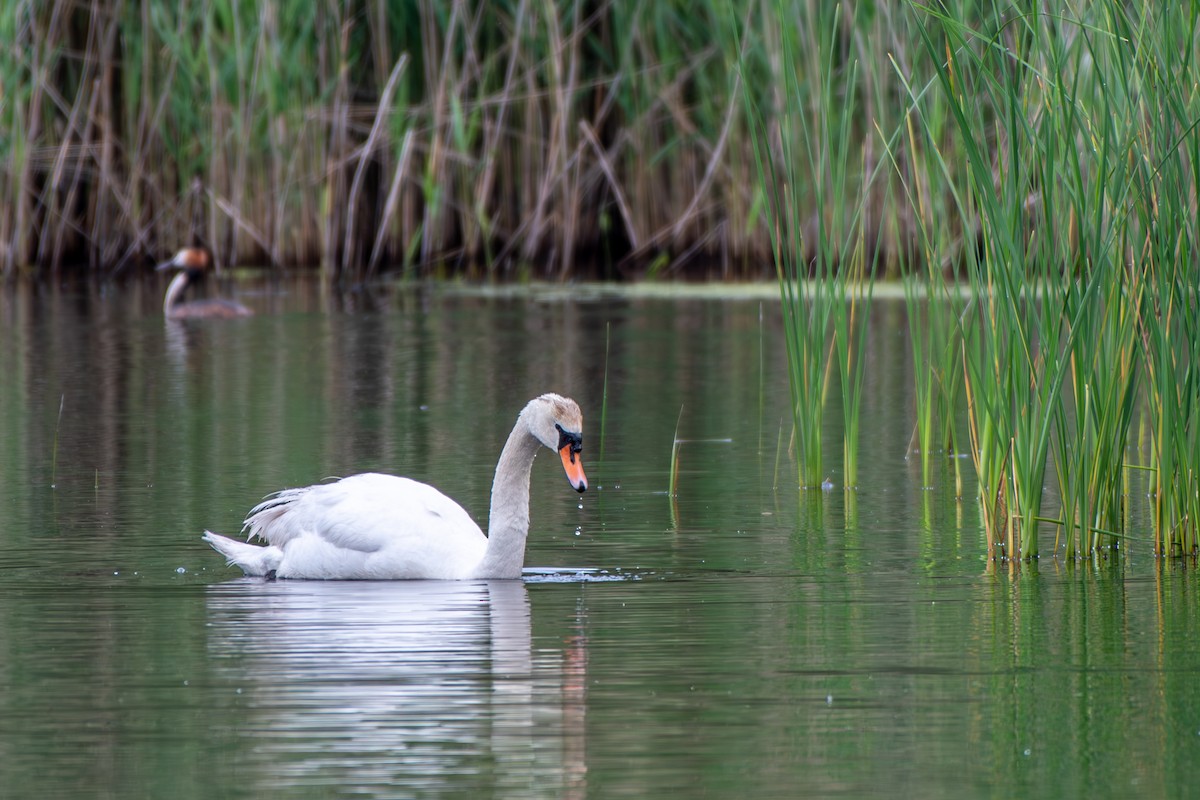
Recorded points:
(175, 291)
(508, 521)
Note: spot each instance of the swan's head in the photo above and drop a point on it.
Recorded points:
(557, 422)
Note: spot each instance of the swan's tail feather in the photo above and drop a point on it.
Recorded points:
(266, 520)
(254, 560)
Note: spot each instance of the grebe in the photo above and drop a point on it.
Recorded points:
(194, 263)
(381, 527)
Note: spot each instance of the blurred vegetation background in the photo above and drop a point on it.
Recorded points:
(516, 139)
(533, 138)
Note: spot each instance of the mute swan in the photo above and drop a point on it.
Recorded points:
(381, 527)
(193, 263)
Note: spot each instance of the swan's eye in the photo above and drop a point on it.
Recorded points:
(569, 439)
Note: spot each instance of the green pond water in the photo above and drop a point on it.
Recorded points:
(743, 638)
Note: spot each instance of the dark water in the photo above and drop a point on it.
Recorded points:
(737, 640)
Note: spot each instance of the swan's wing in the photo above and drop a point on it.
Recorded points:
(367, 513)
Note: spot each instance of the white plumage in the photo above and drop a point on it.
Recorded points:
(382, 527)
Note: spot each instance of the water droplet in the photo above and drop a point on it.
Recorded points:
(828, 699)
(180, 570)
(1028, 751)
(578, 531)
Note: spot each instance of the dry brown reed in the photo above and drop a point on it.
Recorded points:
(500, 139)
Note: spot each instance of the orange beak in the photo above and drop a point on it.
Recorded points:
(573, 466)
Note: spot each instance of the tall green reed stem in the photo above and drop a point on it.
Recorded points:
(803, 146)
(1077, 155)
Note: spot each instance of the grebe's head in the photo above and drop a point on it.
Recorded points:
(192, 259)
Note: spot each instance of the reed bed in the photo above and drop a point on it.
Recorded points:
(1078, 156)
(1051, 158)
(502, 139)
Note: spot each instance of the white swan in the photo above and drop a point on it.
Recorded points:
(381, 527)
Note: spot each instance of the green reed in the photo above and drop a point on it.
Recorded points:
(924, 375)
(1100, 397)
(62, 402)
(1170, 326)
(949, 366)
(1167, 234)
(850, 318)
(945, 310)
(1077, 156)
(805, 312)
(1051, 161)
(806, 154)
(931, 302)
(673, 470)
(1026, 316)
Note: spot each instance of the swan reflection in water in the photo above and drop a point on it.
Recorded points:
(418, 684)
